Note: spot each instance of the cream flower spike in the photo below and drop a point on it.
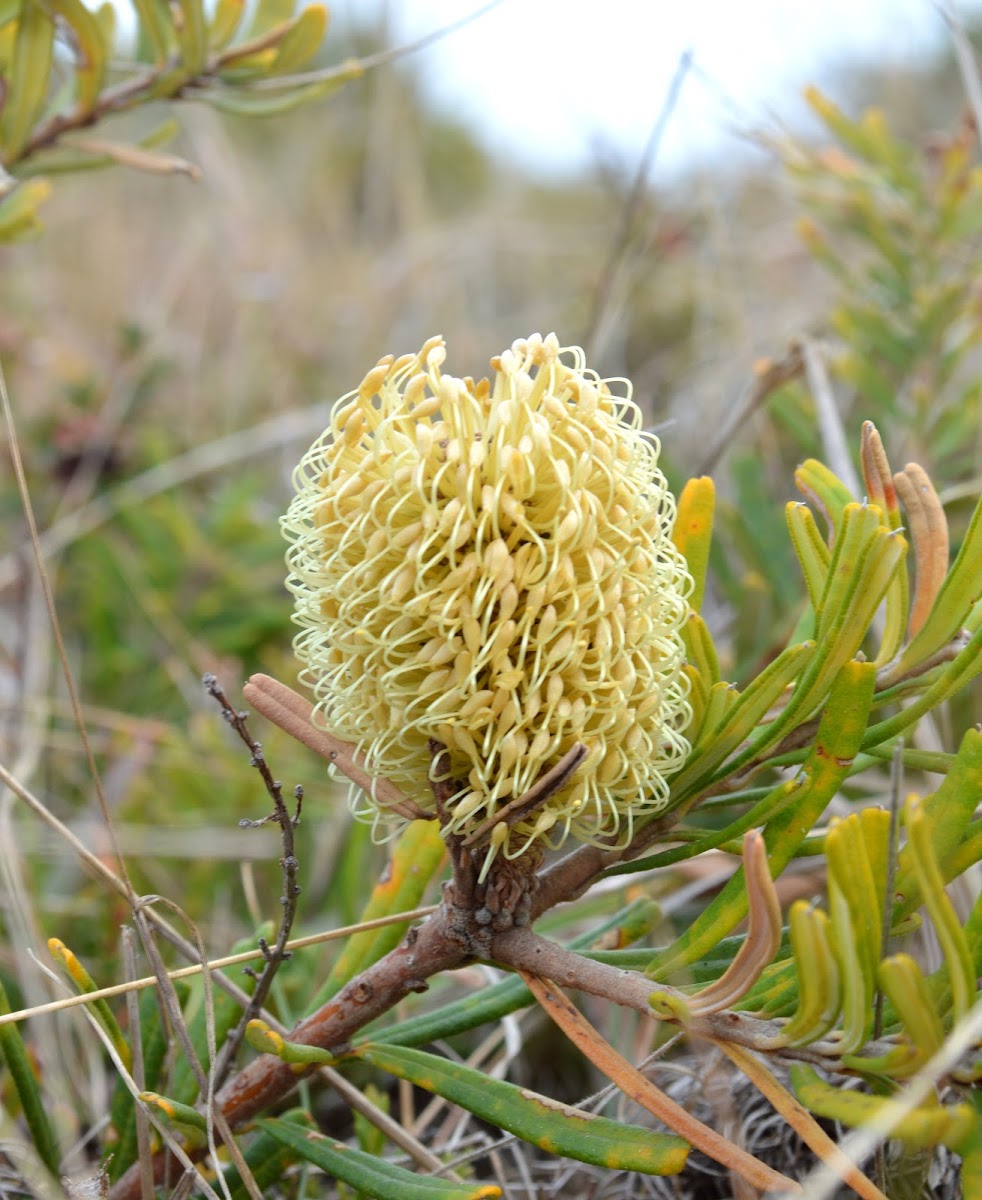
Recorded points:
(490, 564)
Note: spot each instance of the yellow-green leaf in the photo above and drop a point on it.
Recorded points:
(554, 1127)
(27, 81)
(368, 1173)
(693, 531)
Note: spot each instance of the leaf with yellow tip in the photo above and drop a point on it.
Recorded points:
(812, 552)
(819, 985)
(693, 531)
(554, 1127)
(824, 490)
(903, 982)
(943, 916)
(301, 42)
(266, 1040)
(84, 982)
(836, 743)
(182, 1115)
(927, 1125)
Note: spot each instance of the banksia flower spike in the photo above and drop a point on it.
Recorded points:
(490, 565)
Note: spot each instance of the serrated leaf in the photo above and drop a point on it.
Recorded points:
(545, 1123)
(369, 1174)
(27, 80)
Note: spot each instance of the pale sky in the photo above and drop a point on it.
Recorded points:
(547, 80)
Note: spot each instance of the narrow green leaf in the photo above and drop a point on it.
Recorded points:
(225, 22)
(903, 982)
(812, 552)
(157, 35)
(818, 979)
(700, 650)
(417, 856)
(784, 794)
(192, 35)
(14, 1053)
(553, 1127)
(950, 934)
(18, 209)
(927, 1125)
(27, 81)
(836, 743)
(155, 1041)
(825, 491)
(92, 52)
(272, 102)
(267, 1158)
(742, 717)
(960, 671)
(369, 1174)
(301, 41)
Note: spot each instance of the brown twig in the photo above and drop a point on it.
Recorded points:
(274, 956)
(426, 951)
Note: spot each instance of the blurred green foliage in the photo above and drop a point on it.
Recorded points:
(129, 347)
